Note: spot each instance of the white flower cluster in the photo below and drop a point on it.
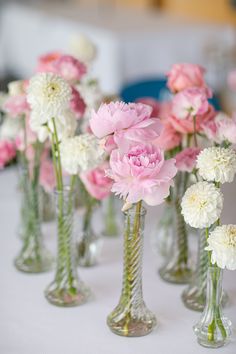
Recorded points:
(80, 153)
(48, 95)
(202, 204)
(216, 164)
(222, 244)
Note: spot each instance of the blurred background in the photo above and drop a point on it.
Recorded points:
(137, 40)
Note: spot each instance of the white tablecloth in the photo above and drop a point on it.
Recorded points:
(30, 325)
(131, 44)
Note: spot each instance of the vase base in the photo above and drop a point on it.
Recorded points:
(201, 331)
(176, 275)
(194, 299)
(135, 325)
(67, 297)
(33, 265)
(88, 252)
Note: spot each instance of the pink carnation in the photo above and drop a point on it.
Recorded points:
(96, 183)
(152, 103)
(183, 76)
(7, 152)
(141, 174)
(77, 104)
(186, 126)
(47, 176)
(16, 105)
(70, 68)
(221, 128)
(129, 123)
(232, 80)
(190, 102)
(186, 159)
(45, 62)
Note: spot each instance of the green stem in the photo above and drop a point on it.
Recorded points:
(195, 131)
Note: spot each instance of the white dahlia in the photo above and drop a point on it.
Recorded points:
(49, 95)
(217, 164)
(222, 243)
(81, 153)
(202, 204)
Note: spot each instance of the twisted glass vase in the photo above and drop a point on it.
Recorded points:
(66, 289)
(131, 317)
(33, 257)
(213, 329)
(177, 268)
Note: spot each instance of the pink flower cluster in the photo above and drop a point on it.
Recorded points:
(7, 152)
(221, 128)
(137, 167)
(186, 159)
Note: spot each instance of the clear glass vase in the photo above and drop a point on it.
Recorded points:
(178, 268)
(89, 245)
(66, 289)
(48, 206)
(213, 329)
(111, 228)
(33, 257)
(131, 317)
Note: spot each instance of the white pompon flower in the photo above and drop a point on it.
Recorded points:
(48, 95)
(222, 243)
(202, 204)
(80, 153)
(10, 128)
(82, 48)
(16, 88)
(217, 164)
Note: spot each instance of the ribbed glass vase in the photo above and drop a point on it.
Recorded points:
(48, 206)
(66, 289)
(178, 268)
(111, 228)
(213, 330)
(89, 245)
(163, 237)
(131, 317)
(33, 257)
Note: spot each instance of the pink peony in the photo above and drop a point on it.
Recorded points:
(77, 104)
(221, 128)
(16, 105)
(186, 126)
(70, 68)
(96, 183)
(141, 174)
(183, 76)
(109, 144)
(186, 159)
(190, 102)
(130, 123)
(231, 79)
(7, 152)
(152, 103)
(45, 62)
(47, 176)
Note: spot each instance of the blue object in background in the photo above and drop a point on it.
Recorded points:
(153, 88)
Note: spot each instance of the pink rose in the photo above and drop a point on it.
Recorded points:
(96, 182)
(7, 152)
(128, 122)
(141, 174)
(221, 128)
(231, 79)
(45, 62)
(186, 126)
(70, 68)
(186, 159)
(152, 103)
(16, 105)
(47, 176)
(77, 104)
(183, 76)
(190, 102)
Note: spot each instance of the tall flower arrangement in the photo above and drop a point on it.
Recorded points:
(201, 207)
(139, 173)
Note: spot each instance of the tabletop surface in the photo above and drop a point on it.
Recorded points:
(30, 325)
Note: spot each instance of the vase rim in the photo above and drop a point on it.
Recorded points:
(132, 210)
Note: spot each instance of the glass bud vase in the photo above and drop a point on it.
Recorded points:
(111, 228)
(48, 206)
(131, 317)
(177, 268)
(89, 245)
(33, 257)
(66, 289)
(214, 329)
